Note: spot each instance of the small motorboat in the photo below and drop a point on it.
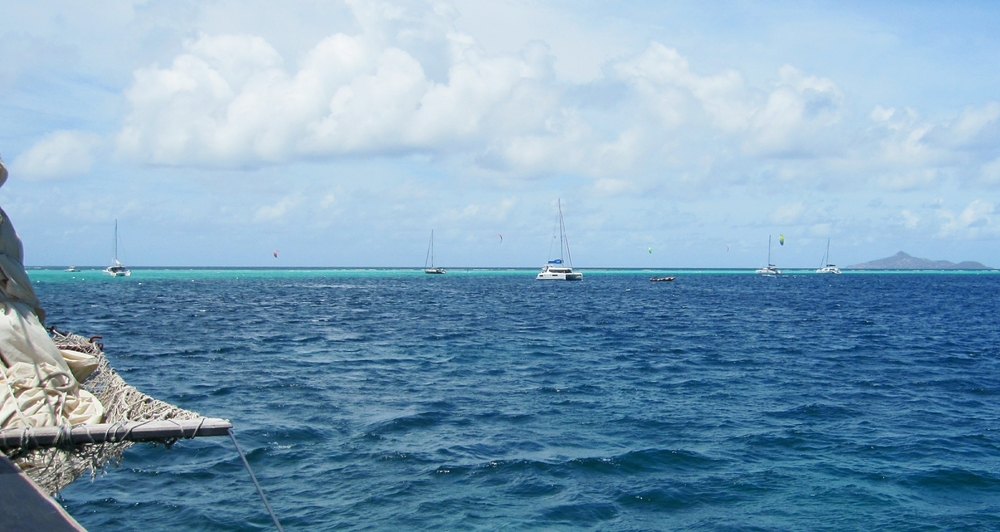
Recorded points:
(660, 279)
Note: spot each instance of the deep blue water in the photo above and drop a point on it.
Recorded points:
(490, 401)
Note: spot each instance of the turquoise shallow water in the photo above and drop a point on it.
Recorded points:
(483, 400)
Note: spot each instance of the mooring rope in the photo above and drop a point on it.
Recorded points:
(255, 483)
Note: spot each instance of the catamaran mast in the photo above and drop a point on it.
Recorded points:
(562, 231)
(430, 251)
(563, 238)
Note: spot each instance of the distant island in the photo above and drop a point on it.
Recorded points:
(903, 261)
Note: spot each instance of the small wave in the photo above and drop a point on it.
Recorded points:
(584, 513)
(407, 423)
(645, 461)
(952, 479)
(815, 412)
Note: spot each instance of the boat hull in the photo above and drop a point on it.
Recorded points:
(560, 276)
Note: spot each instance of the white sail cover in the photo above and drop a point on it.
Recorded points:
(37, 385)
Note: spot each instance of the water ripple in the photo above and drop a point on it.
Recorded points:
(388, 400)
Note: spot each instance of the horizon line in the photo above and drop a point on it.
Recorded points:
(498, 268)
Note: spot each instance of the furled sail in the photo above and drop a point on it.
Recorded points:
(37, 385)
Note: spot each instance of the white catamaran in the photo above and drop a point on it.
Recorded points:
(555, 269)
(829, 268)
(430, 255)
(770, 269)
(117, 269)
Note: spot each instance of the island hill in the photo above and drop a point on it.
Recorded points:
(903, 261)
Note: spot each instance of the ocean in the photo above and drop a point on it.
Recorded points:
(485, 400)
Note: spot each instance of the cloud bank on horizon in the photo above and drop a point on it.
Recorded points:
(224, 127)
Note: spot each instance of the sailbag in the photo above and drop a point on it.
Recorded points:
(58, 380)
(37, 385)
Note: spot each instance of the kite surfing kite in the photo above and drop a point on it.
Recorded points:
(501, 237)
(781, 239)
(275, 253)
(650, 250)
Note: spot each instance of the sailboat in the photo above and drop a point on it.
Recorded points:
(117, 269)
(770, 269)
(829, 268)
(430, 254)
(555, 269)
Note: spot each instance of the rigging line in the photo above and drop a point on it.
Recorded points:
(552, 243)
(255, 483)
(569, 254)
(429, 247)
(563, 236)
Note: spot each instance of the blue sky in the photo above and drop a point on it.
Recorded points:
(342, 133)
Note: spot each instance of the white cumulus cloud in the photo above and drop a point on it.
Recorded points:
(787, 214)
(663, 77)
(403, 81)
(277, 211)
(60, 154)
(783, 119)
(230, 101)
(797, 109)
(990, 172)
(975, 220)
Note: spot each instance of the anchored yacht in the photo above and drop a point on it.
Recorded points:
(770, 269)
(117, 269)
(556, 269)
(829, 268)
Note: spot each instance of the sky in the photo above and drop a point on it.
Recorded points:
(674, 134)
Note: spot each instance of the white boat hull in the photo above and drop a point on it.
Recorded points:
(558, 274)
(559, 277)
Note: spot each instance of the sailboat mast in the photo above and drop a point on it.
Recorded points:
(768, 250)
(562, 231)
(827, 252)
(563, 239)
(116, 240)
(432, 248)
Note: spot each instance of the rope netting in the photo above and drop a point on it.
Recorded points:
(55, 468)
